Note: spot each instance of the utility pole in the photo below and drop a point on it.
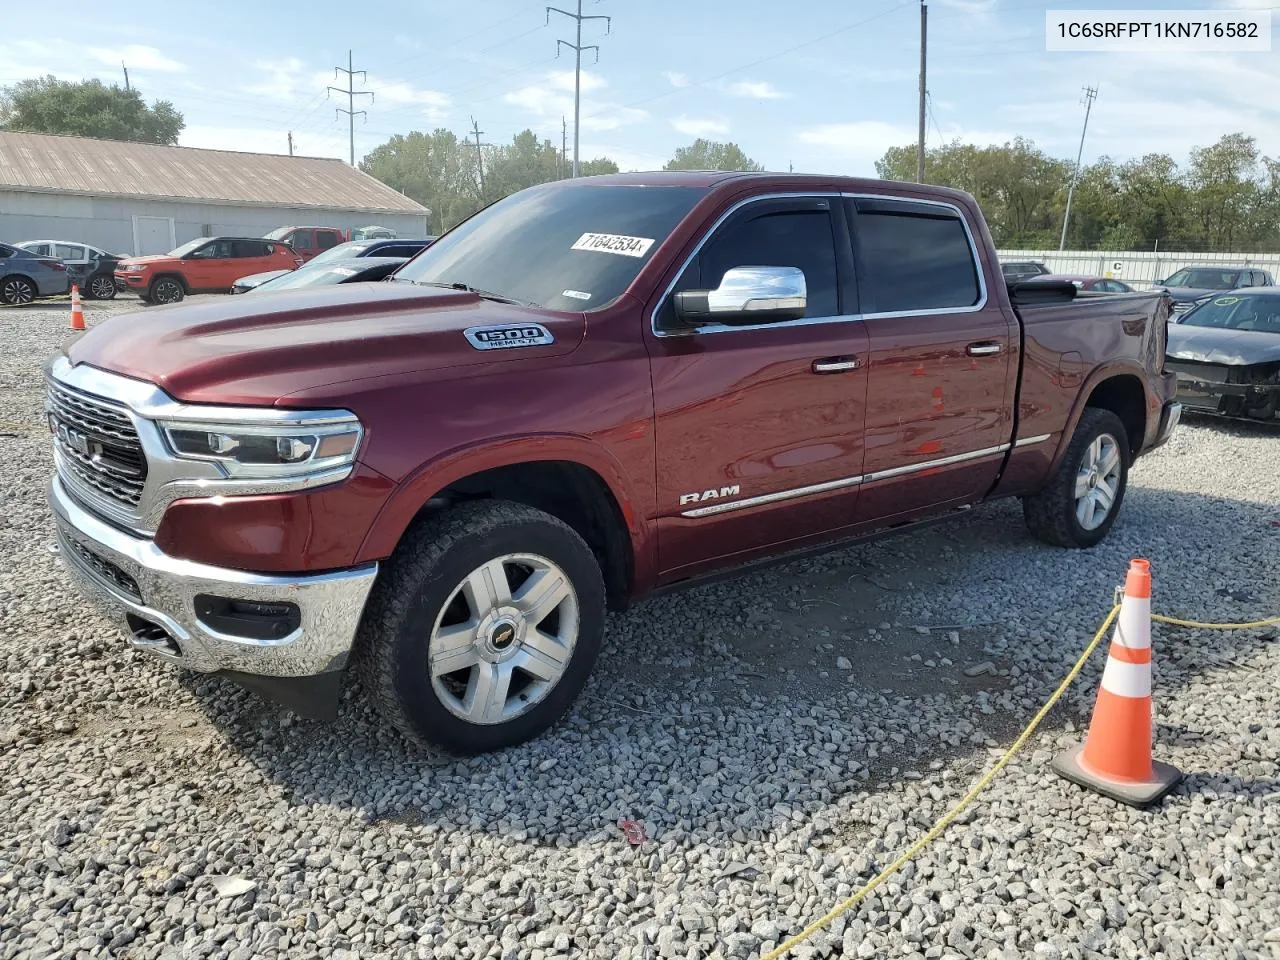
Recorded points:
(924, 47)
(291, 143)
(351, 93)
(476, 131)
(1090, 94)
(126, 75)
(577, 49)
(564, 145)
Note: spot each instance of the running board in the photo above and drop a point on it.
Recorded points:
(729, 573)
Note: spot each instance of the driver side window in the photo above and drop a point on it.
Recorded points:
(795, 238)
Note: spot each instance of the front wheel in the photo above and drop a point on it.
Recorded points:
(166, 290)
(1079, 503)
(101, 288)
(483, 627)
(17, 290)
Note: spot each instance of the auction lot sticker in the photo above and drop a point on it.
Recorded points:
(1158, 31)
(613, 243)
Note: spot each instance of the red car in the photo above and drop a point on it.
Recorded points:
(203, 265)
(307, 242)
(590, 391)
(1084, 282)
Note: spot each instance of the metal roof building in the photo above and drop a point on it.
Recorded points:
(140, 198)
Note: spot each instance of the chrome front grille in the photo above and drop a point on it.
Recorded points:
(1182, 306)
(98, 443)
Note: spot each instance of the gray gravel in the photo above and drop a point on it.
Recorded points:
(778, 738)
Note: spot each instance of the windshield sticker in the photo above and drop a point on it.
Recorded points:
(506, 336)
(614, 243)
(1226, 301)
(576, 294)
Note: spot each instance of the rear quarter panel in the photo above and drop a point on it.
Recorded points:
(1070, 349)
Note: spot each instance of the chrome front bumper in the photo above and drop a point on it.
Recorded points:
(160, 616)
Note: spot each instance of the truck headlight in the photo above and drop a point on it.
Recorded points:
(302, 445)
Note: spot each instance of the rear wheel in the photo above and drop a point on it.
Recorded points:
(101, 287)
(1079, 503)
(166, 290)
(17, 290)
(483, 627)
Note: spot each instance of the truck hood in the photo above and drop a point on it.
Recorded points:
(1188, 294)
(260, 349)
(1215, 345)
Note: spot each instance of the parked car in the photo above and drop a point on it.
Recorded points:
(1017, 270)
(307, 242)
(372, 233)
(203, 265)
(90, 267)
(24, 276)
(1226, 355)
(584, 394)
(344, 251)
(353, 270)
(1191, 284)
(1082, 282)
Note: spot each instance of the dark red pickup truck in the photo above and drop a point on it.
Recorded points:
(589, 391)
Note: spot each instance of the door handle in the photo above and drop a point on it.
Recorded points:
(836, 364)
(986, 348)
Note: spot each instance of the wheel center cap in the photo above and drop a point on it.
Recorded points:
(1093, 479)
(502, 635)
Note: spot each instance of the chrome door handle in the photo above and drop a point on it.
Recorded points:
(984, 349)
(836, 364)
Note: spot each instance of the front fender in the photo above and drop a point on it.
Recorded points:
(412, 493)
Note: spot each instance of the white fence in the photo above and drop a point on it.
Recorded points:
(1137, 269)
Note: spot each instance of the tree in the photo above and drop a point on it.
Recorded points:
(711, 155)
(440, 171)
(88, 109)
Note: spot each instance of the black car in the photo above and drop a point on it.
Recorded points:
(405, 249)
(89, 267)
(349, 270)
(1225, 352)
(1188, 286)
(1017, 270)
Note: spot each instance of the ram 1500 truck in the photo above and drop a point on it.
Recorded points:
(590, 391)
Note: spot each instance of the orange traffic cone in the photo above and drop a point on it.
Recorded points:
(77, 311)
(1116, 757)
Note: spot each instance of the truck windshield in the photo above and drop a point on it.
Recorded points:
(1237, 313)
(563, 247)
(1204, 279)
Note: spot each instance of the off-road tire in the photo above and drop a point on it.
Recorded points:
(161, 284)
(428, 565)
(1050, 513)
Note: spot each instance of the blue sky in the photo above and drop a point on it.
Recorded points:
(823, 85)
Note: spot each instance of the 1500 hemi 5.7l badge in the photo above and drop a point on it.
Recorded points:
(505, 336)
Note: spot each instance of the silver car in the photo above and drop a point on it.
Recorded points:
(25, 276)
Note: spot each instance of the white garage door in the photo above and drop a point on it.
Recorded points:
(152, 235)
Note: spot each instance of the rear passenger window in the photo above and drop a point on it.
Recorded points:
(251, 248)
(325, 239)
(913, 259)
(302, 241)
(801, 238)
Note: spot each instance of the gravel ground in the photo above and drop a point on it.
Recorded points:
(778, 738)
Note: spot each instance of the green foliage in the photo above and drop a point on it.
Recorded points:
(711, 155)
(1226, 198)
(87, 109)
(441, 171)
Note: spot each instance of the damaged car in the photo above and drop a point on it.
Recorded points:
(1226, 355)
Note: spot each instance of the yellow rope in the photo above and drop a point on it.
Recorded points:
(936, 830)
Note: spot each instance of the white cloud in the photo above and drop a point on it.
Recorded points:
(431, 103)
(753, 89)
(700, 127)
(137, 57)
(258, 140)
(675, 78)
(855, 147)
(284, 79)
(549, 99)
(563, 80)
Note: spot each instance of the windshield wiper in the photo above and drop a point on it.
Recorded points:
(483, 294)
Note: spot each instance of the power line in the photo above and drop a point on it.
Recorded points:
(351, 93)
(1090, 94)
(437, 44)
(577, 49)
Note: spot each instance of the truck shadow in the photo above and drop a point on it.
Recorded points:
(726, 711)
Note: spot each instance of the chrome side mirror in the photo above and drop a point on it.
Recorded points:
(746, 295)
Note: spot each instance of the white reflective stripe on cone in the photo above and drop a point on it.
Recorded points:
(1133, 629)
(1127, 679)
